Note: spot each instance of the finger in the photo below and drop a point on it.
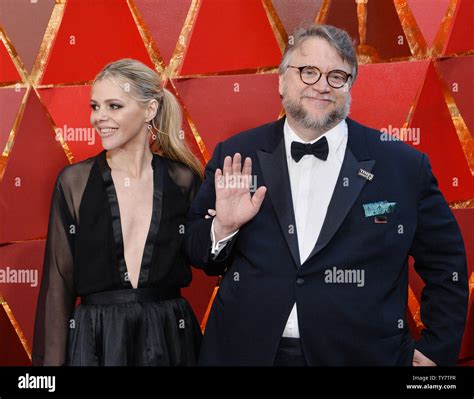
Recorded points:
(237, 164)
(207, 217)
(211, 212)
(247, 169)
(218, 178)
(227, 169)
(258, 197)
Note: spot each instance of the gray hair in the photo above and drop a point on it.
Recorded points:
(339, 39)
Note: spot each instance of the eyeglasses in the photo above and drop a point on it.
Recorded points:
(310, 75)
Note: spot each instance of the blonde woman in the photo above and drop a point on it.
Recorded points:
(115, 235)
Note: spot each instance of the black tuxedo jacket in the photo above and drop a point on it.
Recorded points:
(340, 322)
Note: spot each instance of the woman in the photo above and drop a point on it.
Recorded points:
(115, 235)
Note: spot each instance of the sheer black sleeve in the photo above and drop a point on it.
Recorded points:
(187, 180)
(57, 297)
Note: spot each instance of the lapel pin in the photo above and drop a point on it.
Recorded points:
(366, 175)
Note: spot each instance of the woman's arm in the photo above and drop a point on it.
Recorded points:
(57, 297)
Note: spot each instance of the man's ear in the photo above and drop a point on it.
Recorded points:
(281, 83)
(151, 109)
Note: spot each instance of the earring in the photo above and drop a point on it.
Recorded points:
(153, 135)
(158, 130)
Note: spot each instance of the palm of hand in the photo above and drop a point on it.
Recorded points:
(235, 205)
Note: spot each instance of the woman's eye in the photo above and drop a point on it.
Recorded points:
(113, 107)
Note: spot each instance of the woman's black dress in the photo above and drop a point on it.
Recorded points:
(115, 324)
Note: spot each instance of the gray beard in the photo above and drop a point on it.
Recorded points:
(327, 122)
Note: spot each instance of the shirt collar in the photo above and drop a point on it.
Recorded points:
(334, 137)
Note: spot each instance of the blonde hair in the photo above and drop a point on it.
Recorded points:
(145, 82)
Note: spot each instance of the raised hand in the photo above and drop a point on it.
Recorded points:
(235, 205)
(421, 360)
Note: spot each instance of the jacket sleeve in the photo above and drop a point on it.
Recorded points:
(198, 229)
(440, 260)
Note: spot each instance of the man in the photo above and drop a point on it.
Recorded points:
(315, 270)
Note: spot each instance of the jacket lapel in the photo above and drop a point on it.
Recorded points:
(349, 184)
(274, 168)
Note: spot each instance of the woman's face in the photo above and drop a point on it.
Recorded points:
(118, 118)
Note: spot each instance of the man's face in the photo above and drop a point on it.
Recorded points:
(318, 106)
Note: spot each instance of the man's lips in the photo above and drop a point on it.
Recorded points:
(321, 99)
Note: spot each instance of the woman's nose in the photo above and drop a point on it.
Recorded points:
(102, 114)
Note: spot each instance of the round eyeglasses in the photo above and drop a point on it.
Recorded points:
(310, 75)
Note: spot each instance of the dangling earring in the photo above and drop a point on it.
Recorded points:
(158, 130)
(150, 129)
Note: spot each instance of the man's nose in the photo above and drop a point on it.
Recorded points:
(321, 85)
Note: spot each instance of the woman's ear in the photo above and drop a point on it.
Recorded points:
(151, 109)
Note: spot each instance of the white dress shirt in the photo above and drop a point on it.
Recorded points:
(219, 245)
(312, 183)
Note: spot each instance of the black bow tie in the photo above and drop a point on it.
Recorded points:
(319, 149)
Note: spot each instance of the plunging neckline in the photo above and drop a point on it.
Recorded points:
(149, 246)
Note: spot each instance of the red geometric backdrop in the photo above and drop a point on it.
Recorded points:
(220, 58)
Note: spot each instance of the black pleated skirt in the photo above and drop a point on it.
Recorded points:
(133, 328)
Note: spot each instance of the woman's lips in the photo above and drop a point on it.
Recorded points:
(107, 131)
